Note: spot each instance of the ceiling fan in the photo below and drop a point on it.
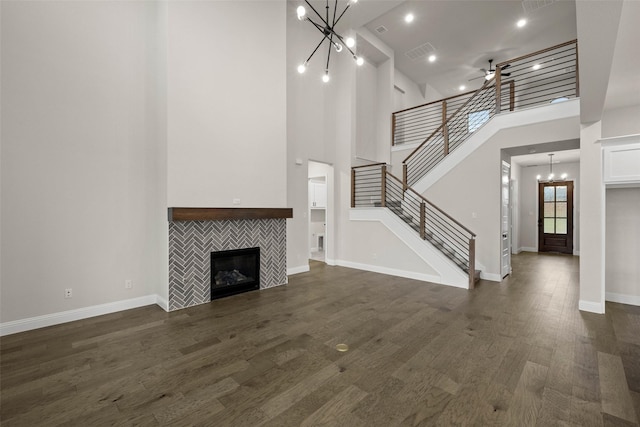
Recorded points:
(491, 72)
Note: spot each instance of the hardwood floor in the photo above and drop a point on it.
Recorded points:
(516, 353)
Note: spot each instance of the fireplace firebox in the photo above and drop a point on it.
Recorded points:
(234, 271)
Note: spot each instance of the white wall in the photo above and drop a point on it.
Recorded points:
(413, 95)
(622, 277)
(227, 103)
(516, 206)
(591, 220)
(528, 218)
(621, 121)
(82, 145)
(367, 112)
(312, 113)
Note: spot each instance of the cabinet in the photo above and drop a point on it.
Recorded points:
(317, 195)
(621, 160)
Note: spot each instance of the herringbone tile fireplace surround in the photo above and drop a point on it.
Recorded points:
(191, 243)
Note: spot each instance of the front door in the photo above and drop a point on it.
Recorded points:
(555, 217)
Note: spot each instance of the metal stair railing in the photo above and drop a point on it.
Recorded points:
(546, 76)
(374, 186)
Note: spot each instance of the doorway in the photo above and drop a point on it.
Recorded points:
(555, 217)
(320, 208)
(505, 215)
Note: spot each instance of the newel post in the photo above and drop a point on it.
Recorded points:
(423, 220)
(577, 73)
(353, 188)
(383, 186)
(512, 95)
(472, 262)
(404, 177)
(393, 129)
(498, 90)
(445, 129)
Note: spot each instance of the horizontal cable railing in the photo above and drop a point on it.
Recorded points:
(366, 185)
(549, 75)
(413, 125)
(542, 77)
(471, 115)
(432, 224)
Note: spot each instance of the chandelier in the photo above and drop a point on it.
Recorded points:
(327, 26)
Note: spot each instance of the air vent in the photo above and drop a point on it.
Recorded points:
(531, 5)
(381, 29)
(420, 52)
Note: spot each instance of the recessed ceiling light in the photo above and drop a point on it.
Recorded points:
(432, 58)
(521, 23)
(536, 67)
(462, 87)
(408, 18)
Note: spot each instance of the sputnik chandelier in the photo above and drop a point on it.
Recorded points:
(327, 28)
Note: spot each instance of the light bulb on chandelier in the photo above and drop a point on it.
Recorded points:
(326, 27)
(302, 12)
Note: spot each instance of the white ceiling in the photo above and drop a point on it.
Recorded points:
(465, 34)
(538, 159)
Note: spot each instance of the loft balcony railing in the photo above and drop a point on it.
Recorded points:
(539, 78)
(374, 186)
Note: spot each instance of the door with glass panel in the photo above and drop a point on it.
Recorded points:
(555, 217)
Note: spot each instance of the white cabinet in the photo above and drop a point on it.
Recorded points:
(317, 195)
(621, 160)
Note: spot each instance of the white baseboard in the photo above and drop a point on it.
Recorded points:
(330, 261)
(590, 306)
(28, 324)
(393, 272)
(622, 298)
(490, 276)
(163, 303)
(296, 270)
(576, 253)
(527, 249)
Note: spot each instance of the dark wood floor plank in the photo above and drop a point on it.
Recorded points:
(517, 352)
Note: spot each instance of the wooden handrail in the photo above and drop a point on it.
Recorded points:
(433, 102)
(529, 55)
(432, 205)
(366, 166)
(484, 85)
(472, 262)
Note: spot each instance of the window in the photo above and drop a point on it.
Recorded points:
(477, 119)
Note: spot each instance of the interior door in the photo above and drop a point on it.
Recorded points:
(555, 217)
(505, 223)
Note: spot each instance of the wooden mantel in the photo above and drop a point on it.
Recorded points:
(219, 214)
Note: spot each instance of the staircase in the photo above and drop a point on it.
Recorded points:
(539, 78)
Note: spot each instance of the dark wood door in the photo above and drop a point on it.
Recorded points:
(555, 217)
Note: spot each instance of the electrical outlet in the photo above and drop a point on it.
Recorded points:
(236, 202)
(68, 293)
(128, 284)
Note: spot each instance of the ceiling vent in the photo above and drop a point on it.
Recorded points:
(420, 52)
(531, 5)
(381, 29)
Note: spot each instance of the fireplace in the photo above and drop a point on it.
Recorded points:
(234, 271)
